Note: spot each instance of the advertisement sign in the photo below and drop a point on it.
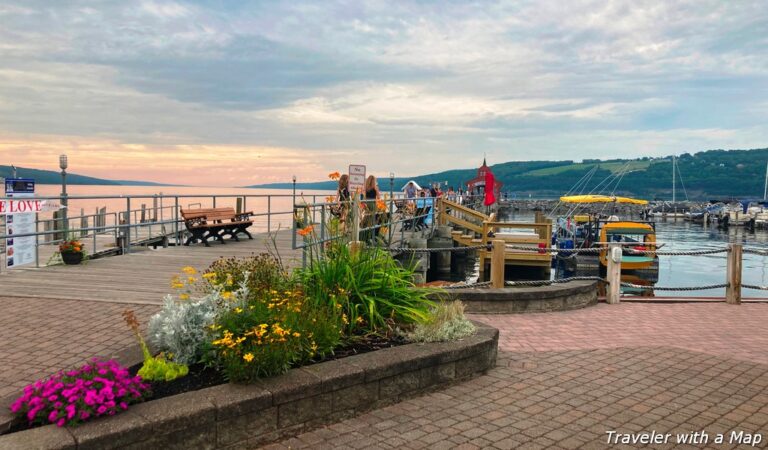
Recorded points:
(20, 219)
(356, 177)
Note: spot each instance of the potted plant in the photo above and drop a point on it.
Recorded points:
(72, 251)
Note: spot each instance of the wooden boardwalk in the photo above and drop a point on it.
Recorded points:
(143, 276)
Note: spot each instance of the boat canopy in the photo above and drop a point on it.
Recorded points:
(601, 199)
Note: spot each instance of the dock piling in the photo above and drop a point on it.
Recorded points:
(497, 263)
(733, 275)
(613, 275)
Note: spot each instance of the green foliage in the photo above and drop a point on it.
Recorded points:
(270, 333)
(446, 323)
(263, 272)
(371, 289)
(160, 369)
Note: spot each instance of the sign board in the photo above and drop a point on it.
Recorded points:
(20, 219)
(356, 177)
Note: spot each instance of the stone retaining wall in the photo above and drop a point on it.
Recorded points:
(238, 416)
(511, 300)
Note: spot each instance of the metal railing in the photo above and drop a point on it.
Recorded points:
(125, 221)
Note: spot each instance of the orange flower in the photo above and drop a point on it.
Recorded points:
(330, 199)
(381, 205)
(334, 175)
(306, 230)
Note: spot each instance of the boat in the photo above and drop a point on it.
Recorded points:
(587, 231)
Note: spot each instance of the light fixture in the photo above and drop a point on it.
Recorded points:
(63, 162)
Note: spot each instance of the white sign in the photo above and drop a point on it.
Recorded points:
(25, 206)
(356, 177)
(20, 219)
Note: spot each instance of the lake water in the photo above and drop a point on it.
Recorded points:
(676, 235)
(701, 270)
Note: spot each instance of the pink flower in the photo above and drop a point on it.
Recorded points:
(53, 398)
(52, 416)
(102, 409)
(60, 423)
(70, 411)
(124, 405)
(84, 415)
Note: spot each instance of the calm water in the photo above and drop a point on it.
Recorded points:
(704, 269)
(255, 201)
(673, 270)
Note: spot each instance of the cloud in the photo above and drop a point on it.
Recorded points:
(407, 86)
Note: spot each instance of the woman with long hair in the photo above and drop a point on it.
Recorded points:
(343, 197)
(371, 195)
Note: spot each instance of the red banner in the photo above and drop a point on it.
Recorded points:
(490, 185)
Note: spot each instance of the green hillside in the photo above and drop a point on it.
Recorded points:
(707, 174)
(52, 177)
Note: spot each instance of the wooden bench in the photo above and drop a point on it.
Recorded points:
(207, 223)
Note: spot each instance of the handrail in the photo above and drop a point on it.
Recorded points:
(465, 210)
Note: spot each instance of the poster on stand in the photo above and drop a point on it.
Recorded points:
(19, 251)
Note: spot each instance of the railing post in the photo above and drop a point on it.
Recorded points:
(269, 213)
(613, 274)
(176, 230)
(441, 211)
(127, 248)
(497, 264)
(733, 277)
(304, 249)
(355, 221)
(321, 250)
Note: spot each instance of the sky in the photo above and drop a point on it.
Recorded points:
(250, 92)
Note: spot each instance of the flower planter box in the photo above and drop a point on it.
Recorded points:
(244, 416)
(72, 258)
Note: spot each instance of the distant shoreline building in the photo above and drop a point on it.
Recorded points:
(476, 186)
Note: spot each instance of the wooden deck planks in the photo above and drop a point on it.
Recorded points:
(140, 277)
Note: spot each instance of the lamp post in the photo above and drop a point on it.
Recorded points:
(63, 165)
(293, 215)
(391, 204)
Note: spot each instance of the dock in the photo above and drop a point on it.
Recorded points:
(141, 277)
(473, 228)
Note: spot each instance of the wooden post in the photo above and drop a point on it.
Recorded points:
(354, 247)
(239, 205)
(613, 274)
(497, 264)
(441, 209)
(355, 210)
(733, 276)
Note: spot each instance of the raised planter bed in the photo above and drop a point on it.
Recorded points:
(513, 300)
(239, 416)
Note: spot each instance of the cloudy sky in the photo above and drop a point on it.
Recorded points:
(256, 91)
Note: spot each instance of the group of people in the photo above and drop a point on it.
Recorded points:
(370, 196)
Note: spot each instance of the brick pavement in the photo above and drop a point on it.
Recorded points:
(718, 329)
(568, 399)
(564, 379)
(41, 336)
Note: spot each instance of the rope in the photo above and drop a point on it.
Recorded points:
(548, 282)
(465, 286)
(755, 251)
(685, 288)
(437, 249)
(629, 250)
(753, 286)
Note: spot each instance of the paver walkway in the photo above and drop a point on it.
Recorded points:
(564, 379)
(568, 400)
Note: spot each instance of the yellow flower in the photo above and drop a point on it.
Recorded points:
(314, 347)
(226, 295)
(191, 279)
(295, 334)
(238, 310)
(359, 320)
(209, 275)
(189, 270)
(184, 296)
(248, 357)
(177, 285)
(230, 281)
(344, 318)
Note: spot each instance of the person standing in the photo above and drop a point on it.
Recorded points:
(343, 197)
(371, 195)
(410, 190)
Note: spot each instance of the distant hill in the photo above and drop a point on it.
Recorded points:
(52, 177)
(703, 175)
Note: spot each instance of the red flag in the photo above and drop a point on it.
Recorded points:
(490, 185)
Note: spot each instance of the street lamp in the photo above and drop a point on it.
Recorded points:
(391, 205)
(293, 214)
(63, 165)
